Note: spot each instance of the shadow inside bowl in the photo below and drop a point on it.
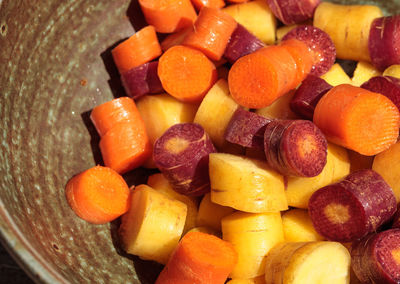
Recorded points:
(146, 271)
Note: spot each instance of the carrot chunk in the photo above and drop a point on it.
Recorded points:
(140, 48)
(258, 79)
(168, 16)
(98, 195)
(186, 73)
(376, 257)
(299, 51)
(125, 146)
(199, 258)
(357, 119)
(352, 208)
(212, 31)
(109, 114)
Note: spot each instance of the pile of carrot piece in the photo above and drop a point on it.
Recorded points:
(273, 161)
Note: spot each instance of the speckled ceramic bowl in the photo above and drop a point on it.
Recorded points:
(55, 66)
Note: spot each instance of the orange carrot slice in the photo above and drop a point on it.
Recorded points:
(303, 57)
(186, 73)
(168, 16)
(109, 114)
(125, 146)
(140, 48)
(212, 31)
(258, 79)
(199, 258)
(98, 195)
(358, 119)
(198, 4)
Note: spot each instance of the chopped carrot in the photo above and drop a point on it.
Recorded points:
(140, 48)
(302, 55)
(198, 4)
(168, 16)
(126, 146)
(98, 195)
(358, 119)
(258, 79)
(199, 258)
(237, 1)
(186, 73)
(107, 115)
(175, 38)
(212, 31)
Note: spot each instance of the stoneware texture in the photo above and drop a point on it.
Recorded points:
(55, 66)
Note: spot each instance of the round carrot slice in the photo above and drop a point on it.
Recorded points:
(98, 195)
(186, 73)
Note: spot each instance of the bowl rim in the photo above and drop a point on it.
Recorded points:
(23, 253)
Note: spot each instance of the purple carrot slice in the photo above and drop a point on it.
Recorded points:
(142, 80)
(295, 147)
(308, 95)
(376, 257)
(293, 11)
(241, 43)
(246, 129)
(272, 140)
(396, 218)
(384, 41)
(385, 85)
(181, 154)
(321, 45)
(352, 208)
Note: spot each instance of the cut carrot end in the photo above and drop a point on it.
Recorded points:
(140, 48)
(168, 16)
(98, 195)
(372, 124)
(186, 74)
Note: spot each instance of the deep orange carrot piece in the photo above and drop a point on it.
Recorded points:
(258, 79)
(212, 31)
(186, 73)
(98, 195)
(303, 57)
(198, 4)
(126, 146)
(358, 119)
(140, 48)
(237, 1)
(109, 114)
(199, 258)
(175, 38)
(168, 16)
